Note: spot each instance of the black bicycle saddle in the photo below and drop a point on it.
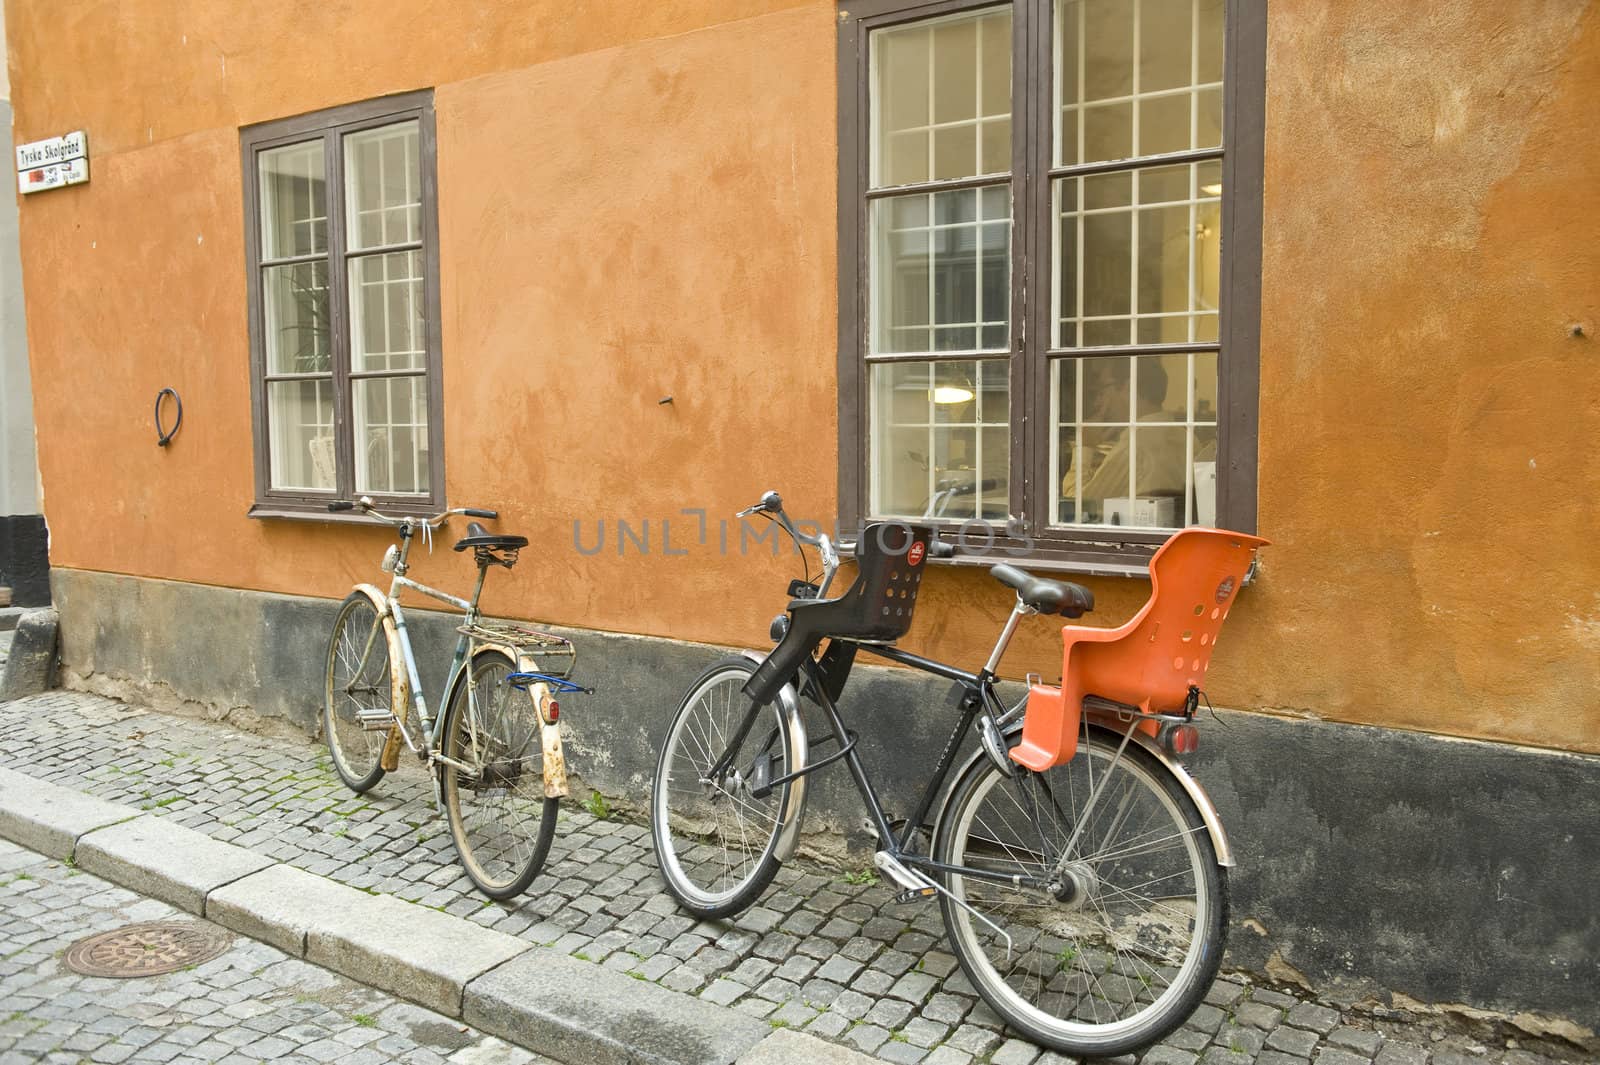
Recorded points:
(1044, 595)
(478, 536)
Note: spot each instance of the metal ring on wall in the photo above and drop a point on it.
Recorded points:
(164, 436)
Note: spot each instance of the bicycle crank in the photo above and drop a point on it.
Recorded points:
(917, 886)
(914, 886)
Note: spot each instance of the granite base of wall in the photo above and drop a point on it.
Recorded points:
(1370, 862)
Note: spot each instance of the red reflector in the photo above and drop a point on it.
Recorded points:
(555, 711)
(1179, 739)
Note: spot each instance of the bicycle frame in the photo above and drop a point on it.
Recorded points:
(458, 661)
(978, 697)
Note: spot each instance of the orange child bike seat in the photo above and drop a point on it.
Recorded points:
(1151, 661)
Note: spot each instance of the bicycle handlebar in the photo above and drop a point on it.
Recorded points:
(772, 503)
(364, 504)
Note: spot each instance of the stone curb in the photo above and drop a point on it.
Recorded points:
(281, 905)
(165, 861)
(579, 1012)
(548, 1002)
(409, 950)
(48, 818)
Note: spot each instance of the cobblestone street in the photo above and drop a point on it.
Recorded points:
(251, 1004)
(825, 951)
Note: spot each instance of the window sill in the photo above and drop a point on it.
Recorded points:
(281, 512)
(1132, 564)
(1130, 560)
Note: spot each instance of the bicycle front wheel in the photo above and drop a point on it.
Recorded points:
(500, 819)
(716, 841)
(357, 684)
(1122, 945)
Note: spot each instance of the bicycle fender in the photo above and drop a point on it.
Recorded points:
(555, 759)
(1191, 786)
(400, 691)
(794, 814)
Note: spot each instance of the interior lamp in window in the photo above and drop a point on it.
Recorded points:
(1211, 190)
(951, 394)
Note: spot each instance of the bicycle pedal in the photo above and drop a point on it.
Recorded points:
(375, 719)
(914, 895)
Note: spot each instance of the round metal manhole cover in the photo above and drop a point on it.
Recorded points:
(148, 949)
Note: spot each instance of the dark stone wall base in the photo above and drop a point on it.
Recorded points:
(1369, 861)
(25, 559)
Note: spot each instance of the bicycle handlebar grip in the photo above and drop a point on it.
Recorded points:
(478, 512)
(940, 549)
(341, 504)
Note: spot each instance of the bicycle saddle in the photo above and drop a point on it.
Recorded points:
(478, 536)
(1046, 596)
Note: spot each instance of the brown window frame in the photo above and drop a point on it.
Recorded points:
(1078, 549)
(331, 126)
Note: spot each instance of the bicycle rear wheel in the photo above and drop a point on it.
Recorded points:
(500, 819)
(357, 683)
(716, 842)
(1123, 947)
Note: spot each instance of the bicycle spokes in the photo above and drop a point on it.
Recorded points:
(1110, 903)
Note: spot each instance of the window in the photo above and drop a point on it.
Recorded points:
(1039, 326)
(344, 306)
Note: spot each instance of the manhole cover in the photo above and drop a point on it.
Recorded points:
(148, 949)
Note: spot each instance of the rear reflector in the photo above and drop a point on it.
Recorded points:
(1179, 739)
(555, 711)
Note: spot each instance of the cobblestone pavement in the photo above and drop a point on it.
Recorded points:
(820, 952)
(251, 1004)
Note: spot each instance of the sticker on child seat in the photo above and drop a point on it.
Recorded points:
(914, 556)
(1224, 589)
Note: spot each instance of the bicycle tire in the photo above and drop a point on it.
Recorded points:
(358, 676)
(691, 820)
(491, 810)
(1110, 969)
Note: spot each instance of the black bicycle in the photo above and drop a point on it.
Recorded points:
(1086, 903)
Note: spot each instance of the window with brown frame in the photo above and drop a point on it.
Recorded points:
(342, 259)
(1049, 269)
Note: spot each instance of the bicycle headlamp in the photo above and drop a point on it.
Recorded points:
(390, 558)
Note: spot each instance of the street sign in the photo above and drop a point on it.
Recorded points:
(53, 162)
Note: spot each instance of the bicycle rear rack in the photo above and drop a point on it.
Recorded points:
(556, 655)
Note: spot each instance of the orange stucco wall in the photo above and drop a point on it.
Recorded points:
(637, 200)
